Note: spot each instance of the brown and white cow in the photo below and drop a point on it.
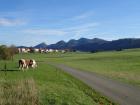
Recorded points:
(25, 64)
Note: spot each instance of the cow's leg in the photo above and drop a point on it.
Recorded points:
(35, 65)
(27, 67)
(20, 65)
(22, 68)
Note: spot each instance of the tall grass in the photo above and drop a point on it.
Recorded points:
(18, 92)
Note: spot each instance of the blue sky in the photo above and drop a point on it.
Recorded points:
(29, 22)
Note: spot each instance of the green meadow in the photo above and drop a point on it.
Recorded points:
(48, 85)
(45, 85)
(119, 65)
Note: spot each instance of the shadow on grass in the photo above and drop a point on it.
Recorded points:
(10, 70)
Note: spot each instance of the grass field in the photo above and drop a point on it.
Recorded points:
(121, 65)
(46, 85)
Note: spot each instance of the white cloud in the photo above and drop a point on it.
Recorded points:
(75, 30)
(45, 31)
(79, 17)
(80, 30)
(82, 26)
(10, 22)
(83, 16)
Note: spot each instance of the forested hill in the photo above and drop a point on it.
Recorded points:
(84, 44)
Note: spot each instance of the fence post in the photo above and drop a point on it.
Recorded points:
(5, 68)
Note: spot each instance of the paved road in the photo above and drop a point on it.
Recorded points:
(121, 93)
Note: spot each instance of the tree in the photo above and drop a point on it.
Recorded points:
(12, 50)
(4, 53)
(94, 51)
(119, 49)
(7, 53)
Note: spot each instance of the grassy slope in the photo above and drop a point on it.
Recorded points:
(51, 85)
(123, 66)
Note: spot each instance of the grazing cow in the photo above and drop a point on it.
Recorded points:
(33, 63)
(25, 64)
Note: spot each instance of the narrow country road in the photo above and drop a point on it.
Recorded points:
(121, 93)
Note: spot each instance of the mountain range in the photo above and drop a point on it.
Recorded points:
(76, 44)
(95, 44)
